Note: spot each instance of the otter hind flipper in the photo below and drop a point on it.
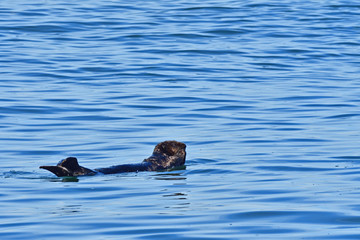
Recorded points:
(58, 171)
(69, 167)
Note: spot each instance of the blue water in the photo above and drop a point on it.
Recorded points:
(265, 94)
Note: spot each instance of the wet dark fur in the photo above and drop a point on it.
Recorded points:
(166, 155)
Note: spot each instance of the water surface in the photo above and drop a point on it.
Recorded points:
(264, 94)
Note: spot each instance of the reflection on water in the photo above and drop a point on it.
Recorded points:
(70, 179)
(177, 195)
(169, 176)
(68, 210)
(181, 203)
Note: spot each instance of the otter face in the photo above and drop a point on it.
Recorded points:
(167, 155)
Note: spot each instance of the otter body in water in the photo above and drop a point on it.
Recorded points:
(166, 155)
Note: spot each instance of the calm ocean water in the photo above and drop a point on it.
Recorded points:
(264, 93)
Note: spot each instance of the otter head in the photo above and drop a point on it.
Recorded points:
(168, 154)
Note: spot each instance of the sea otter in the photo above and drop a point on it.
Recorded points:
(166, 155)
